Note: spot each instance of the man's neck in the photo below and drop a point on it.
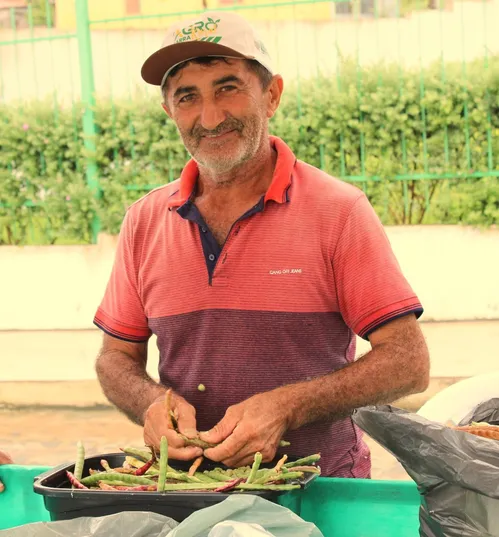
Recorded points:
(246, 182)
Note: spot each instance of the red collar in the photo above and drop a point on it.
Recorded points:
(277, 189)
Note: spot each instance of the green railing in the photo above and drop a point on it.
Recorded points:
(406, 107)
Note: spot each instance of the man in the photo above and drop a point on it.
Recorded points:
(255, 271)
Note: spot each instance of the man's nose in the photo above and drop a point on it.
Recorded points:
(211, 115)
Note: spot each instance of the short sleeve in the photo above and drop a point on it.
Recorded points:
(370, 285)
(121, 313)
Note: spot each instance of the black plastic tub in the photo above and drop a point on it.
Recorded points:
(64, 503)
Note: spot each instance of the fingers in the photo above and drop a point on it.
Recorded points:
(236, 462)
(223, 428)
(246, 456)
(157, 425)
(176, 446)
(186, 419)
(229, 449)
(184, 453)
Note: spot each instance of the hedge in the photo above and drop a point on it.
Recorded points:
(380, 123)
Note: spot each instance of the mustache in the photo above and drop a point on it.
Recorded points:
(230, 124)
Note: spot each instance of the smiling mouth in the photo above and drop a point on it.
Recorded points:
(215, 136)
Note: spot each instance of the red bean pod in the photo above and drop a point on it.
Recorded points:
(229, 485)
(75, 482)
(143, 469)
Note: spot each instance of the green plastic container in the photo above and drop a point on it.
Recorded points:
(339, 507)
(18, 503)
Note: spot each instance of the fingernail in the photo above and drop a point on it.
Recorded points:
(190, 433)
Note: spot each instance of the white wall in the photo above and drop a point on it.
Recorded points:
(454, 270)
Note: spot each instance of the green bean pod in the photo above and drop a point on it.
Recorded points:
(254, 486)
(218, 475)
(197, 442)
(204, 478)
(277, 476)
(194, 479)
(182, 476)
(255, 467)
(193, 486)
(303, 462)
(137, 453)
(263, 475)
(128, 479)
(163, 464)
(80, 460)
(136, 463)
(178, 476)
(115, 483)
(105, 465)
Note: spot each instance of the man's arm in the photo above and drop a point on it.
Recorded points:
(121, 370)
(397, 365)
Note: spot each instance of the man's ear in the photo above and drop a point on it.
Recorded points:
(275, 92)
(166, 109)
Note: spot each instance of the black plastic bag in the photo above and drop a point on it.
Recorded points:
(457, 473)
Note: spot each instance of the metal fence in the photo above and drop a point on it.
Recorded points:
(385, 68)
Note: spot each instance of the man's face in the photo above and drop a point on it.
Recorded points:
(221, 112)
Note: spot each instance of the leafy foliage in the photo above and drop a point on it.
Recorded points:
(423, 146)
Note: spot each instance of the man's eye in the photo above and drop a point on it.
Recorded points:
(225, 89)
(187, 98)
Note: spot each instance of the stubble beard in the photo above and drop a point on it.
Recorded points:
(220, 157)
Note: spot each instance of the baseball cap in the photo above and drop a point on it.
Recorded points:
(212, 33)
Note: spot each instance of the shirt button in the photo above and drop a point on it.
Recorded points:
(211, 257)
(203, 229)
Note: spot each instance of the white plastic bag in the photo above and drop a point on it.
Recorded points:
(247, 509)
(126, 524)
(231, 528)
(237, 516)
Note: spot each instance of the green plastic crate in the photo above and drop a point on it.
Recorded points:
(339, 507)
(363, 508)
(18, 503)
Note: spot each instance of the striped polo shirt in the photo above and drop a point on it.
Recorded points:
(299, 275)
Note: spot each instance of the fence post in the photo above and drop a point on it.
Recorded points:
(88, 100)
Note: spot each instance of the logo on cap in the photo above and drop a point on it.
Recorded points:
(261, 47)
(199, 31)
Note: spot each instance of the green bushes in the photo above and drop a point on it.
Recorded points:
(376, 127)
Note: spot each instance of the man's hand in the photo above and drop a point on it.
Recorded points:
(256, 424)
(157, 424)
(5, 459)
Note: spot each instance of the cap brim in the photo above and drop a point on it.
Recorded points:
(155, 67)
